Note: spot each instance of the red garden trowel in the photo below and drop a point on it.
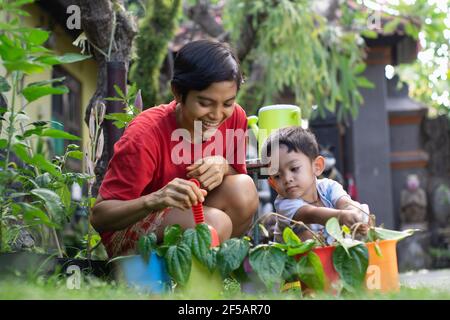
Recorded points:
(199, 217)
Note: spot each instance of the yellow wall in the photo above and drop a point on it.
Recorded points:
(85, 71)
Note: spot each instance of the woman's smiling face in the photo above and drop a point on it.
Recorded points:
(211, 107)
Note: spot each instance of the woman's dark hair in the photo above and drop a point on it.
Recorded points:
(295, 139)
(200, 63)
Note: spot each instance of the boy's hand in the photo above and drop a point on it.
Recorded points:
(349, 217)
(352, 216)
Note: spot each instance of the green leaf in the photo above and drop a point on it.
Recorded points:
(291, 271)
(21, 151)
(26, 66)
(281, 246)
(52, 203)
(391, 26)
(304, 247)
(125, 117)
(231, 254)
(37, 36)
(43, 164)
(75, 154)
(351, 267)
(146, 244)
(268, 263)
(172, 235)
(364, 83)
(3, 143)
(211, 259)
(359, 68)
(378, 249)
(346, 229)
(369, 34)
(386, 234)
(34, 214)
(412, 30)
(34, 92)
(290, 238)
(334, 229)
(43, 180)
(65, 195)
(179, 263)
(66, 58)
(58, 134)
(119, 91)
(4, 85)
(311, 271)
(199, 241)
(45, 82)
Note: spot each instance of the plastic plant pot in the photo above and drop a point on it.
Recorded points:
(151, 277)
(382, 272)
(325, 255)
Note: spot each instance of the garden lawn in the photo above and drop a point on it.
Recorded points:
(92, 289)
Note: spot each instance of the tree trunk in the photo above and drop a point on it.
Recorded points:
(97, 21)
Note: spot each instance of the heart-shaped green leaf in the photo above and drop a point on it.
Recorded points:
(199, 241)
(268, 262)
(304, 247)
(351, 267)
(179, 263)
(172, 234)
(146, 244)
(311, 271)
(290, 238)
(231, 254)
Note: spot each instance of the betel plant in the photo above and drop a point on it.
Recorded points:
(34, 191)
(179, 248)
(271, 263)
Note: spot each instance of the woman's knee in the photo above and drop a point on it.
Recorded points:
(242, 195)
(220, 221)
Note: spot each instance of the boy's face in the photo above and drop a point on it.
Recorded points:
(296, 174)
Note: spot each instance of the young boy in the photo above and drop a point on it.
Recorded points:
(301, 195)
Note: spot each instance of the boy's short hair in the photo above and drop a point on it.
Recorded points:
(295, 139)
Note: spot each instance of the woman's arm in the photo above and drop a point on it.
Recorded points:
(112, 215)
(231, 171)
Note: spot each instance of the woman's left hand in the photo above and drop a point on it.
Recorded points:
(209, 171)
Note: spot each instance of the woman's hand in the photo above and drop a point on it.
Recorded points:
(178, 193)
(209, 171)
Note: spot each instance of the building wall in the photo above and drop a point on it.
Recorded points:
(371, 149)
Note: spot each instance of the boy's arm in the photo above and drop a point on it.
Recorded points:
(310, 214)
(345, 202)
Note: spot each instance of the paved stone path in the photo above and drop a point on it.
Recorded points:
(439, 279)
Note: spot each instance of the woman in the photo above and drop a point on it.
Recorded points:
(147, 187)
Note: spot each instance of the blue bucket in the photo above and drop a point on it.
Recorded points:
(151, 277)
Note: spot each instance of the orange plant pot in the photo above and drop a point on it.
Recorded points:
(382, 272)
